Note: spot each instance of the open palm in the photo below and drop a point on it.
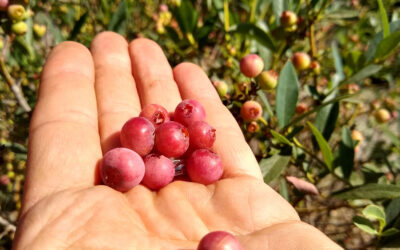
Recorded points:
(84, 99)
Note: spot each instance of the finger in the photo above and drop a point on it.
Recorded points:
(64, 141)
(230, 144)
(117, 98)
(151, 70)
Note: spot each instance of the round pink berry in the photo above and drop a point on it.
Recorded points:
(160, 171)
(155, 113)
(201, 135)
(251, 65)
(138, 134)
(251, 110)
(219, 240)
(204, 166)
(4, 180)
(172, 139)
(121, 169)
(4, 4)
(189, 111)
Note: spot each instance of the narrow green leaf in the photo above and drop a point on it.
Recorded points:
(286, 94)
(325, 120)
(370, 191)
(375, 212)
(324, 146)
(363, 73)
(364, 224)
(390, 232)
(118, 17)
(384, 18)
(278, 6)
(265, 101)
(283, 189)
(339, 74)
(387, 45)
(392, 211)
(252, 31)
(280, 138)
(374, 42)
(272, 167)
(186, 16)
(345, 158)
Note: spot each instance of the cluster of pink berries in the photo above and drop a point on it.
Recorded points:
(156, 147)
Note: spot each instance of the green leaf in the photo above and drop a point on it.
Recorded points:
(325, 120)
(392, 211)
(384, 18)
(364, 224)
(78, 25)
(254, 32)
(118, 17)
(345, 158)
(324, 146)
(372, 191)
(339, 74)
(278, 6)
(375, 212)
(390, 232)
(265, 101)
(388, 44)
(283, 189)
(286, 94)
(280, 138)
(363, 73)
(374, 42)
(186, 16)
(272, 167)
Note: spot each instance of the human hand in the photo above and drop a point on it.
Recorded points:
(84, 99)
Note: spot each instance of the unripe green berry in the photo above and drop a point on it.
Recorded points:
(16, 12)
(382, 116)
(251, 65)
(288, 19)
(316, 68)
(301, 60)
(39, 30)
(19, 28)
(251, 111)
(1, 43)
(221, 87)
(268, 79)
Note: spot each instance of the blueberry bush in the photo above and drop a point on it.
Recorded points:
(321, 117)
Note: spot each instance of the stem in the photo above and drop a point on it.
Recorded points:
(312, 41)
(14, 87)
(253, 6)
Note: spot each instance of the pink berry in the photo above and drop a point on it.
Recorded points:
(138, 134)
(159, 171)
(201, 135)
(4, 180)
(4, 4)
(219, 240)
(204, 166)
(155, 113)
(121, 169)
(251, 110)
(288, 18)
(189, 111)
(251, 65)
(172, 139)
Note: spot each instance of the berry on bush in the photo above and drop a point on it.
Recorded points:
(253, 127)
(250, 111)
(121, 169)
(301, 108)
(204, 166)
(315, 67)
(155, 113)
(138, 134)
(268, 79)
(19, 28)
(221, 87)
(4, 4)
(288, 19)
(251, 65)
(159, 171)
(4, 180)
(39, 30)
(172, 139)
(16, 12)
(382, 115)
(189, 111)
(301, 60)
(201, 135)
(219, 240)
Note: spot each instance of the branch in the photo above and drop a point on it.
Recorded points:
(8, 227)
(14, 87)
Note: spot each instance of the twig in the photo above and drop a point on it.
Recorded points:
(14, 87)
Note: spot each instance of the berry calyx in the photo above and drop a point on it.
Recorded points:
(155, 113)
(250, 111)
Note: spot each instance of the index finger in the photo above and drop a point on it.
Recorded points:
(230, 145)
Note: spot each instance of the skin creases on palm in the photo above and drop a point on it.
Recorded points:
(174, 218)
